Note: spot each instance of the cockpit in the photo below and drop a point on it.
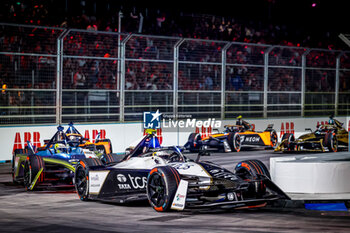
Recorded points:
(164, 156)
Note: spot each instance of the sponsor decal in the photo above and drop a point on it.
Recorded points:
(222, 173)
(97, 178)
(124, 186)
(183, 166)
(180, 196)
(138, 182)
(121, 178)
(246, 138)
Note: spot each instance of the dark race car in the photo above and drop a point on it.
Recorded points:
(326, 138)
(52, 165)
(169, 180)
(232, 139)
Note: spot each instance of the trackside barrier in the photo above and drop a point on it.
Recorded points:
(124, 134)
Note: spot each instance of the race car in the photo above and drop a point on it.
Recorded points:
(232, 139)
(52, 165)
(171, 181)
(326, 138)
(103, 146)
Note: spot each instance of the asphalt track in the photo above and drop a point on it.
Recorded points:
(62, 211)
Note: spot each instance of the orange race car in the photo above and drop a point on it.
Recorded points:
(233, 138)
(75, 138)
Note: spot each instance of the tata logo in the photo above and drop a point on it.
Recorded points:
(121, 178)
(151, 120)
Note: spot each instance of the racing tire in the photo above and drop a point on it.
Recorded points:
(162, 184)
(331, 142)
(110, 159)
(250, 170)
(234, 141)
(290, 138)
(194, 141)
(273, 138)
(81, 176)
(32, 166)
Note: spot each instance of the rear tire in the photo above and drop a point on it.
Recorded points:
(32, 167)
(250, 170)
(162, 184)
(195, 142)
(234, 141)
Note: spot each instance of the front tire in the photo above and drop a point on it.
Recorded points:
(32, 166)
(162, 184)
(331, 142)
(81, 176)
(288, 138)
(249, 170)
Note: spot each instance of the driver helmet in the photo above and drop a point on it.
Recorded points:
(60, 148)
(239, 117)
(331, 121)
(74, 137)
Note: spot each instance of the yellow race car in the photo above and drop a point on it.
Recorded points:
(233, 138)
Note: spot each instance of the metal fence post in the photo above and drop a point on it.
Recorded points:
(266, 77)
(223, 79)
(121, 71)
(59, 76)
(176, 77)
(336, 97)
(303, 84)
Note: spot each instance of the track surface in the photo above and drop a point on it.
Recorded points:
(52, 211)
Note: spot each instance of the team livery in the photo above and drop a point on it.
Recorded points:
(169, 180)
(233, 138)
(52, 165)
(326, 138)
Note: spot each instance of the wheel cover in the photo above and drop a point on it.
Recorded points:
(81, 182)
(156, 189)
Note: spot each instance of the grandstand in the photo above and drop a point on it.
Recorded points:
(60, 62)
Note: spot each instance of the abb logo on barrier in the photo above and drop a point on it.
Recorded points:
(205, 131)
(158, 134)
(289, 128)
(35, 138)
(94, 134)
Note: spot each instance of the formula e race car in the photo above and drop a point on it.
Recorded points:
(326, 138)
(52, 165)
(169, 180)
(103, 146)
(233, 138)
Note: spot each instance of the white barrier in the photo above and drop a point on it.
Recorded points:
(313, 176)
(123, 134)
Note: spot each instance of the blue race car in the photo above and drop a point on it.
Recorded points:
(52, 165)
